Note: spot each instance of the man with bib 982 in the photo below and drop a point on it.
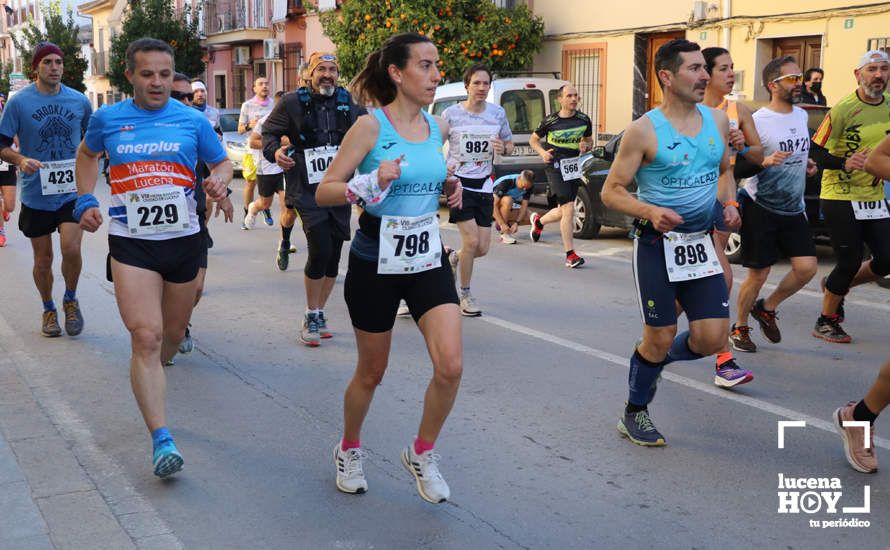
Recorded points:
(49, 119)
(154, 238)
(676, 153)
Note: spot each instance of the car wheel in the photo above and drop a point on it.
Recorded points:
(734, 248)
(585, 226)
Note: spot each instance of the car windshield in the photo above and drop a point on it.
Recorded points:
(524, 108)
(228, 122)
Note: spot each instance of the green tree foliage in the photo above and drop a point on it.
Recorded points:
(60, 31)
(157, 19)
(5, 71)
(465, 31)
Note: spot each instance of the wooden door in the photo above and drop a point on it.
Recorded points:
(806, 50)
(654, 96)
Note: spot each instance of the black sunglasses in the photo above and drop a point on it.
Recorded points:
(182, 95)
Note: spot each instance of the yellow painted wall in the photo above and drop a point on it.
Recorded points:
(749, 43)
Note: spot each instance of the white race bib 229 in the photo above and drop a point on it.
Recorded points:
(160, 209)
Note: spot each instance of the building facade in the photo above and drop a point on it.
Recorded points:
(608, 52)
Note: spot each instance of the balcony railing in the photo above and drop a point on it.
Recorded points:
(225, 16)
(99, 62)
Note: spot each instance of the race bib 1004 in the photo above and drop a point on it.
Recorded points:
(870, 210)
(57, 178)
(690, 256)
(409, 245)
(159, 209)
(318, 160)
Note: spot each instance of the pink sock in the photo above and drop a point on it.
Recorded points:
(421, 446)
(346, 445)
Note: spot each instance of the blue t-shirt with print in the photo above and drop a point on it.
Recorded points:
(49, 128)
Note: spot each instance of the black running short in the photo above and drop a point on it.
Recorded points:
(563, 191)
(267, 186)
(205, 239)
(37, 223)
(7, 178)
(373, 299)
(476, 206)
(175, 260)
(766, 235)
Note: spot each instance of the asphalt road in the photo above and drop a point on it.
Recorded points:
(530, 451)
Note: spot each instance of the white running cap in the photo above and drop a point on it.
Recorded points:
(873, 56)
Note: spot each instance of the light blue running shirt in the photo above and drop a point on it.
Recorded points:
(417, 191)
(683, 176)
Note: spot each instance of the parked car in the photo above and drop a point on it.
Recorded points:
(526, 101)
(591, 214)
(234, 143)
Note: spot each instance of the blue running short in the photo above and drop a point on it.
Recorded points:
(704, 298)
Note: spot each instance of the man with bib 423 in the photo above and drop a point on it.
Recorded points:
(49, 119)
(154, 238)
(676, 153)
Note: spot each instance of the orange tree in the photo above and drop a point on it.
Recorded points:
(465, 31)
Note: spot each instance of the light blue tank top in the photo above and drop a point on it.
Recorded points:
(683, 176)
(418, 189)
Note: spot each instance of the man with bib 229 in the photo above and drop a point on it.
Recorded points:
(314, 120)
(479, 131)
(49, 119)
(852, 200)
(155, 243)
(676, 153)
(566, 135)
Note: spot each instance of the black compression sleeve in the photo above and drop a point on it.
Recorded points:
(825, 159)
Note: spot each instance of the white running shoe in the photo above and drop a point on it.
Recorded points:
(453, 259)
(249, 221)
(468, 307)
(403, 310)
(350, 477)
(506, 238)
(425, 469)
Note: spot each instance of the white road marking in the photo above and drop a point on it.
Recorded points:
(622, 362)
(107, 475)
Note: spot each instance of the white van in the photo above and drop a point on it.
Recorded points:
(527, 101)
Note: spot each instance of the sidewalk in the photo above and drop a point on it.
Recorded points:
(46, 498)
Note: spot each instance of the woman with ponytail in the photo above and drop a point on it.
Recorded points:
(397, 252)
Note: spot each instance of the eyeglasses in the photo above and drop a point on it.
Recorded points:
(791, 78)
(182, 95)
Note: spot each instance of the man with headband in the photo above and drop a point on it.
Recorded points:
(49, 119)
(314, 119)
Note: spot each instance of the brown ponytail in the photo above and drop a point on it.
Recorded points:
(373, 86)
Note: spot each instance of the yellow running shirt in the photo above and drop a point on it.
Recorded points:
(850, 126)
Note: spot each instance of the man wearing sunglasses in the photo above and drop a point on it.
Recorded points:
(774, 221)
(852, 200)
(182, 92)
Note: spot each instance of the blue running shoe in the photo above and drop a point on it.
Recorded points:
(166, 459)
(267, 217)
(729, 375)
(638, 427)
